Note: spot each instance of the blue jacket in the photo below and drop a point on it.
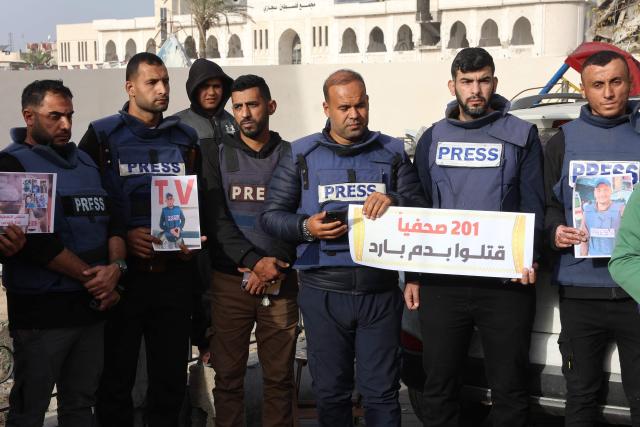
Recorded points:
(321, 174)
(133, 153)
(491, 163)
(81, 215)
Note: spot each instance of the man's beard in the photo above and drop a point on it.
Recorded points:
(259, 127)
(39, 135)
(473, 112)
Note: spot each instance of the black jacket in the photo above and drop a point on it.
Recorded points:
(229, 249)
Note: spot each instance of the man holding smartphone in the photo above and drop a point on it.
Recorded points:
(351, 312)
(236, 174)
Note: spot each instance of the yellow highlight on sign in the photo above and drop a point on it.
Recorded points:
(517, 242)
(358, 232)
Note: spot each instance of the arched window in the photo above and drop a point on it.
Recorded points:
(405, 38)
(376, 41)
(235, 47)
(151, 46)
(458, 36)
(190, 47)
(212, 47)
(349, 42)
(521, 32)
(110, 54)
(289, 48)
(489, 34)
(130, 49)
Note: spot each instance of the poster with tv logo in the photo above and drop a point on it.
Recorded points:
(175, 217)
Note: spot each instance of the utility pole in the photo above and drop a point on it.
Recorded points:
(10, 42)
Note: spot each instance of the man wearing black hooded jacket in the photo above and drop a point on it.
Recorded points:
(209, 89)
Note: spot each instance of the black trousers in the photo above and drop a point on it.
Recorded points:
(156, 306)
(70, 358)
(503, 315)
(587, 327)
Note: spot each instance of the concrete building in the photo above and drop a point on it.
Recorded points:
(337, 31)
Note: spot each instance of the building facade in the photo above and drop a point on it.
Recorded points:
(336, 32)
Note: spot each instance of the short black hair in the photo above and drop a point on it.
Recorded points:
(34, 93)
(471, 59)
(341, 77)
(249, 81)
(141, 58)
(168, 196)
(604, 57)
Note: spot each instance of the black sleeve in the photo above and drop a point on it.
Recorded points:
(554, 208)
(90, 145)
(421, 163)
(39, 248)
(532, 187)
(217, 220)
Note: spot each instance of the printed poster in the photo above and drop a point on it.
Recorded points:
(175, 218)
(443, 241)
(598, 204)
(28, 201)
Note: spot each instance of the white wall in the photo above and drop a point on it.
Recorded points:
(402, 96)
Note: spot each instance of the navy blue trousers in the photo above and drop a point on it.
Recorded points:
(342, 328)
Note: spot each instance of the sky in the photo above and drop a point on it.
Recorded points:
(34, 20)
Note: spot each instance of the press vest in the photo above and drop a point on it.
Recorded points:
(618, 148)
(245, 180)
(330, 182)
(477, 168)
(133, 153)
(81, 217)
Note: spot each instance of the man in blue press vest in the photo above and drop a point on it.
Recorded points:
(236, 181)
(130, 147)
(351, 312)
(604, 140)
(57, 284)
(478, 157)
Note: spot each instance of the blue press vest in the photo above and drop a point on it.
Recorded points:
(345, 176)
(245, 180)
(81, 226)
(587, 141)
(479, 188)
(135, 153)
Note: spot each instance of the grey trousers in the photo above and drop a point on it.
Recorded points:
(70, 358)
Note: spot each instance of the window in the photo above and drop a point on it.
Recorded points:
(522, 32)
(260, 39)
(326, 35)
(314, 36)
(319, 36)
(266, 39)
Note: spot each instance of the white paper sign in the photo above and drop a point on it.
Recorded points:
(443, 241)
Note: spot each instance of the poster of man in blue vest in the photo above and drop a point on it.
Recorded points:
(174, 212)
(599, 202)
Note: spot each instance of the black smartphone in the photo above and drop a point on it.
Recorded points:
(333, 216)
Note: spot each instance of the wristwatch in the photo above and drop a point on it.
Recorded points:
(122, 265)
(306, 234)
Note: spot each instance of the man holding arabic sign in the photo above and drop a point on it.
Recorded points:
(600, 147)
(351, 312)
(478, 158)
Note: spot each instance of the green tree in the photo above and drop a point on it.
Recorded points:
(37, 59)
(213, 13)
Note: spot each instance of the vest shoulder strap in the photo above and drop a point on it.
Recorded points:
(103, 129)
(230, 158)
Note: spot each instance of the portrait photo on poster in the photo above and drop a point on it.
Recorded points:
(175, 218)
(598, 204)
(28, 201)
